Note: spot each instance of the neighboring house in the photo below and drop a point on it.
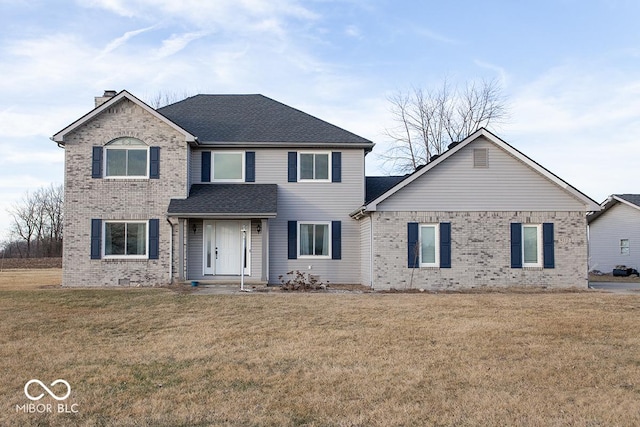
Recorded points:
(153, 196)
(614, 234)
(481, 214)
(159, 196)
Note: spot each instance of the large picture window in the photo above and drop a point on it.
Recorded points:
(127, 157)
(314, 166)
(314, 240)
(125, 238)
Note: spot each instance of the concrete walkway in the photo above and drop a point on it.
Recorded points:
(225, 289)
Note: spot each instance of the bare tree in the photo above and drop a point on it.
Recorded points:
(163, 98)
(429, 121)
(37, 223)
(25, 221)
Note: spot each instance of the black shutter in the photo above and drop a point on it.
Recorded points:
(548, 254)
(445, 245)
(154, 162)
(336, 166)
(292, 163)
(336, 240)
(96, 238)
(96, 163)
(293, 239)
(205, 173)
(516, 245)
(154, 238)
(250, 166)
(413, 251)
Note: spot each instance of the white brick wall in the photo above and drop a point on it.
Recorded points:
(87, 198)
(480, 252)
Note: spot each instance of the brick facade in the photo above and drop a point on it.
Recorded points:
(480, 251)
(119, 199)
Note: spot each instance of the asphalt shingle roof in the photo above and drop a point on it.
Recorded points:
(376, 186)
(252, 118)
(225, 199)
(631, 198)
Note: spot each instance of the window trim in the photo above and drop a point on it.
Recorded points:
(110, 146)
(539, 247)
(436, 242)
(243, 160)
(329, 166)
(299, 236)
(125, 256)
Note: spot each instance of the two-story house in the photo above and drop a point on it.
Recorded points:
(154, 196)
(216, 186)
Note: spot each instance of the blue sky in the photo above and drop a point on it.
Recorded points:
(570, 70)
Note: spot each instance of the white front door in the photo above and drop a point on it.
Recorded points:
(223, 247)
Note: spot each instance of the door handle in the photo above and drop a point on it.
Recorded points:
(216, 253)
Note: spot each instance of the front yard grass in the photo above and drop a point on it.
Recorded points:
(155, 357)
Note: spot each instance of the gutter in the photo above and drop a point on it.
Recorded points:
(358, 213)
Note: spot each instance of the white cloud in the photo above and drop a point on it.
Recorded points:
(353, 31)
(116, 43)
(176, 43)
(580, 120)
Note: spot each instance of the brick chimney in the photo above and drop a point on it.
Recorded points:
(108, 94)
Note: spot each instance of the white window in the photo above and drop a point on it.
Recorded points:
(624, 246)
(314, 239)
(227, 166)
(429, 245)
(532, 245)
(127, 158)
(125, 239)
(314, 166)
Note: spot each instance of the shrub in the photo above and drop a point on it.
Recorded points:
(299, 281)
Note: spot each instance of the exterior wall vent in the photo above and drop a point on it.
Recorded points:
(480, 158)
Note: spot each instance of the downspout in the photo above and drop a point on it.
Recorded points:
(371, 246)
(170, 252)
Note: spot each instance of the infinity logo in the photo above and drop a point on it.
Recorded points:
(52, 394)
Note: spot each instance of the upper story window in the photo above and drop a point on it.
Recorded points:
(228, 166)
(314, 166)
(126, 158)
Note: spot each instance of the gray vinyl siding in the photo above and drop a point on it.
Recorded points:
(619, 222)
(315, 201)
(196, 167)
(304, 201)
(506, 185)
